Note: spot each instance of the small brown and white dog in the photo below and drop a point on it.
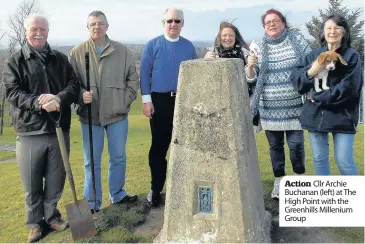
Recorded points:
(327, 60)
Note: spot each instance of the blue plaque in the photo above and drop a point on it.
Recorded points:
(205, 199)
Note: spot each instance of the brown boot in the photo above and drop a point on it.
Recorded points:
(59, 225)
(35, 234)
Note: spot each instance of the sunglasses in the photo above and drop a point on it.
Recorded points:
(177, 21)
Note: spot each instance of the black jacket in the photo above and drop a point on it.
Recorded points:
(26, 77)
(335, 109)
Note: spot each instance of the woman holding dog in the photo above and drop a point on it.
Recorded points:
(278, 104)
(229, 43)
(336, 109)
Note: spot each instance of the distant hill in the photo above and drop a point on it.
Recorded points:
(202, 43)
(135, 48)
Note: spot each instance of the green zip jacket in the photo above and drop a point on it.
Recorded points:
(113, 80)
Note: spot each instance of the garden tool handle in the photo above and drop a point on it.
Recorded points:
(87, 68)
(66, 162)
(64, 154)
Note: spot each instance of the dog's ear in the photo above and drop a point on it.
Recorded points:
(341, 59)
(321, 58)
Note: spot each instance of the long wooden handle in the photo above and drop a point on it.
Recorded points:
(66, 162)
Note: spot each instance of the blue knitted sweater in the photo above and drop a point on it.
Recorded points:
(161, 61)
(278, 103)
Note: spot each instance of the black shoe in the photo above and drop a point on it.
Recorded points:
(156, 199)
(94, 211)
(128, 199)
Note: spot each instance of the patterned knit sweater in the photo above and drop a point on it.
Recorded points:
(279, 104)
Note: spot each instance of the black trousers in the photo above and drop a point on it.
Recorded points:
(161, 131)
(295, 139)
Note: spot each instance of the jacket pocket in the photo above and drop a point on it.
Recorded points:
(309, 115)
(338, 121)
(114, 102)
(353, 120)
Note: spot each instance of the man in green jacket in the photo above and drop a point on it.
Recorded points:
(114, 83)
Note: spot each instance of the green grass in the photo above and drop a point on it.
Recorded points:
(6, 155)
(118, 221)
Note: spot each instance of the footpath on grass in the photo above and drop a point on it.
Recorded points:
(7, 148)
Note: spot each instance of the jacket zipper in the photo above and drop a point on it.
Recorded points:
(48, 90)
(320, 122)
(46, 76)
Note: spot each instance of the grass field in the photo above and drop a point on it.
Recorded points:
(119, 221)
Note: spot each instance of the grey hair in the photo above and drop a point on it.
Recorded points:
(97, 13)
(179, 12)
(35, 16)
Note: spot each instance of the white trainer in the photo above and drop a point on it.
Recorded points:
(149, 197)
(276, 190)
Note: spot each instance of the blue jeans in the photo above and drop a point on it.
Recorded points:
(117, 139)
(344, 152)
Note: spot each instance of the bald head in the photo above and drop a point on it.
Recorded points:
(175, 11)
(32, 17)
(173, 22)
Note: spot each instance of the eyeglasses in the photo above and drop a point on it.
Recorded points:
(177, 21)
(96, 23)
(274, 21)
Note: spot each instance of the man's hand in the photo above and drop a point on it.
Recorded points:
(87, 97)
(51, 106)
(148, 110)
(46, 98)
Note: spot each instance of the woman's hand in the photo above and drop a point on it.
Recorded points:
(252, 60)
(313, 71)
(210, 55)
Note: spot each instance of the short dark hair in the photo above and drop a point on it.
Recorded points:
(97, 13)
(274, 11)
(239, 38)
(340, 21)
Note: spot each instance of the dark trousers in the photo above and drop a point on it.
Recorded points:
(295, 139)
(43, 176)
(161, 130)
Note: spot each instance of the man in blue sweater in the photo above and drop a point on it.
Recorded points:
(160, 63)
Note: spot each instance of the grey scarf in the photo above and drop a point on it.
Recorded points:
(43, 53)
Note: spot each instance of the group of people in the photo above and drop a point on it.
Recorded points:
(42, 83)
(280, 75)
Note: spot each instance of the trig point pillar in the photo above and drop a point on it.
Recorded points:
(214, 190)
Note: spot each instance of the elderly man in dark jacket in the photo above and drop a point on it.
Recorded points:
(40, 87)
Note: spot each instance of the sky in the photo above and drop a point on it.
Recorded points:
(137, 21)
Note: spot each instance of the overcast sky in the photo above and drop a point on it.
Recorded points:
(140, 20)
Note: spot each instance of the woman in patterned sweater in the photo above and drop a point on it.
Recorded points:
(275, 99)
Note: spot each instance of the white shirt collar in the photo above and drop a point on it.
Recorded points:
(171, 39)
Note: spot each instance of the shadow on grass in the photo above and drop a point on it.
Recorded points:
(118, 222)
